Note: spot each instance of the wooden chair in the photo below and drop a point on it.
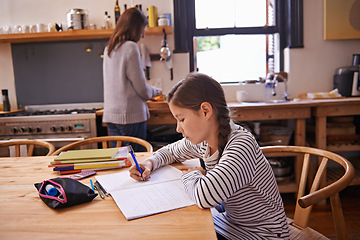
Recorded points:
(106, 143)
(30, 145)
(299, 225)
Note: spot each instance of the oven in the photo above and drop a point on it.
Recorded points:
(58, 124)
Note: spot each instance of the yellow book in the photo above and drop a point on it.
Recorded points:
(104, 154)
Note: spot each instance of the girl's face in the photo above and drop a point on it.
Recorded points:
(193, 125)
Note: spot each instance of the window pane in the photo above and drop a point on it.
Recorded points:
(250, 13)
(232, 58)
(232, 13)
(214, 13)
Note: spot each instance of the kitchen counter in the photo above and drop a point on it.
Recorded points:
(159, 113)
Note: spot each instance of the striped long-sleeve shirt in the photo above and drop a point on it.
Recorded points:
(242, 180)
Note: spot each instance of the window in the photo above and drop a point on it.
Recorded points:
(236, 40)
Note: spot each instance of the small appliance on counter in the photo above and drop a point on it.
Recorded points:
(347, 79)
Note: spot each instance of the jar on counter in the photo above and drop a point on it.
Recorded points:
(163, 21)
(77, 19)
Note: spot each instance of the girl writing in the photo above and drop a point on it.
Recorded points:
(236, 174)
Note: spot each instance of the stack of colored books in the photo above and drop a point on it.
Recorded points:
(75, 161)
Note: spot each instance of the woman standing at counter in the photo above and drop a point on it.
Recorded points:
(125, 87)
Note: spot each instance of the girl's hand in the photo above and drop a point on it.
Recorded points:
(194, 168)
(146, 169)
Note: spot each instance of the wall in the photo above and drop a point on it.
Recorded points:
(19, 12)
(310, 68)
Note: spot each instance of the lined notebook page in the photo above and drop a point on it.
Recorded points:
(163, 192)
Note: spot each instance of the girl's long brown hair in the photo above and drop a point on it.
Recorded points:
(128, 28)
(197, 88)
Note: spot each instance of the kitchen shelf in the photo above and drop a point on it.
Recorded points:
(71, 35)
(343, 147)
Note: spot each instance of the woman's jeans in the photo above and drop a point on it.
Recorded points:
(133, 130)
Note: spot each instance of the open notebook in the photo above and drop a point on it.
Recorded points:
(163, 192)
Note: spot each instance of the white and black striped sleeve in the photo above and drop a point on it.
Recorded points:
(179, 151)
(236, 168)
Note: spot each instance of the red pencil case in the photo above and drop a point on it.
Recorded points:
(64, 192)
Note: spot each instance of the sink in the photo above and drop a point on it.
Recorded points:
(269, 101)
(278, 101)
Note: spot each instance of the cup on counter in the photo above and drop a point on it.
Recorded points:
(241, 95)
(64, 26)
(25, 28)
(51, 27)
(40, 27)
(92, 26)
(32, 28)
(16, 29)
(6, 29)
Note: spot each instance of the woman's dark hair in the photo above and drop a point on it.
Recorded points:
(197, 88)
(128, 28)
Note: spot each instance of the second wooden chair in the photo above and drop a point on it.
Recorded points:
(319, 189)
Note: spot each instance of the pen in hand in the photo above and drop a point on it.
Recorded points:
(131, 150)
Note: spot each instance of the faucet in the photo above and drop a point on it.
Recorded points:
(272, 79)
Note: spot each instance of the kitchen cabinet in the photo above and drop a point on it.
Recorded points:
(71, 35)
(333, 108)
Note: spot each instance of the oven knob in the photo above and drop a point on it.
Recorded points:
(38, 129)
(61, 128)
(69, 128)
(14, 130)
(30, 130)
(23, 130)
(53, 129)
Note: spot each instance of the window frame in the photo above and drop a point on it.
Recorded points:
(288, 24)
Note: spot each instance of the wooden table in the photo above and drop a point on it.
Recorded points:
(24, 216)
(331, 108)
(299, 111)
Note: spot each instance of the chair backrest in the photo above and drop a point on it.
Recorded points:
(106, 143)
(320, 188)
(29, 144)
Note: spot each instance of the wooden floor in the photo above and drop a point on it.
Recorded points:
(321, 217)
